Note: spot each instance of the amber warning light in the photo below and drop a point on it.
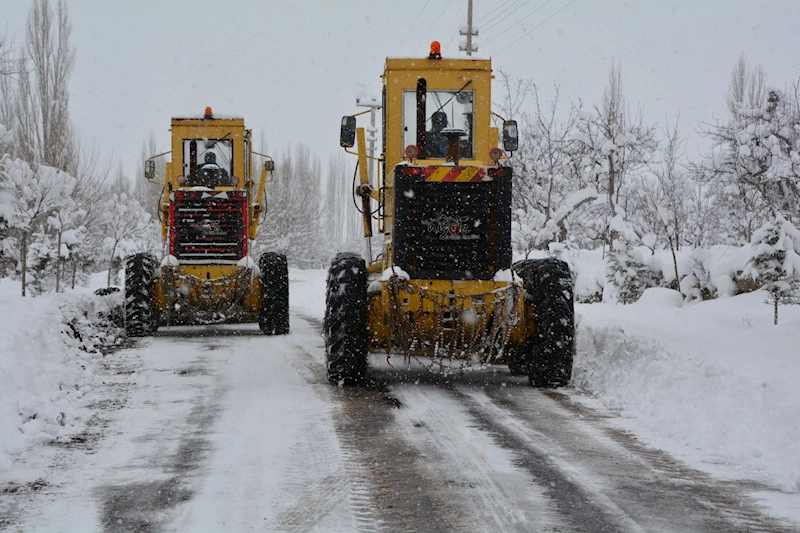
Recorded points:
(209, 113)
(436, 50)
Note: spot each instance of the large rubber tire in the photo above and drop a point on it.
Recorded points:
(141, 318)
(345, 323)
(273, 318)
(522, 267)
(548, 288)
(519, 357)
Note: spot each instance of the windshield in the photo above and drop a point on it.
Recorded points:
(214, 160)
(444, 109)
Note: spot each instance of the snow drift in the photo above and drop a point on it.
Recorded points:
(714, 382)
(49, 348)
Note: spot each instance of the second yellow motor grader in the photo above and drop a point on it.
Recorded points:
(442, 288)
(210, 209)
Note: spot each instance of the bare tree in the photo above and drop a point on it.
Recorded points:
(664, 194)
(615, 145)
(747, 89)
(344, 223)
(293, 223)
(515, 92)
(10, 67)
(41, 111)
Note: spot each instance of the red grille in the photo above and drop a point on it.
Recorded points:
(208, 227)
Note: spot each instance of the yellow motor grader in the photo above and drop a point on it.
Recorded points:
(443, 288)
(210, 209)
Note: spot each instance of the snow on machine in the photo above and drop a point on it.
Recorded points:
(210, 209)
(443, 289)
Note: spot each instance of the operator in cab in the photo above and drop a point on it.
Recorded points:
(209, 174)
(435, 142)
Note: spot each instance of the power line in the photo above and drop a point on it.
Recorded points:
(490, 16)
(436, 22)
(536, 27)
(412, 26)
(500, 7)
(520, 21)
(452, 38)
(501, 14)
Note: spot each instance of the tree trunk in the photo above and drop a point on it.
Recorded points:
(674, 262)
(58, 264)
(111, 264)
(24, 260)
(612, 234)
(74, 271)
(776, 311)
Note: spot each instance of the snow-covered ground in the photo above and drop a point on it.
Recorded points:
(713, 383)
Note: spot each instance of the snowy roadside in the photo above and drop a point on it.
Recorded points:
(49, 348)
(714, 383)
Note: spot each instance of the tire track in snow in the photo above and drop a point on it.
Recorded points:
(728, 498)
(602, 474)
(407, 485)
(392, 487)
(499, 497)
(347, 482)
(277, 466)
(146, 506)
(313, 504)
(436, 480)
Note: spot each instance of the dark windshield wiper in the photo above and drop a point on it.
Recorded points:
(450, 100)
(213, 144)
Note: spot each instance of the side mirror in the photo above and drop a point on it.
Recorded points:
(510, 136)
(149, 170)
(347, 136)
(269, 165)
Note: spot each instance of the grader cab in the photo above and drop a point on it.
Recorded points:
(443, 289)
(210, 209)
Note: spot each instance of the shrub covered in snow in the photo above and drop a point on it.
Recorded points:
(775, 262)
(628, 278)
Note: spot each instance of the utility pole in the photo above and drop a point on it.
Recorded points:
(372, 104)
(470, 32)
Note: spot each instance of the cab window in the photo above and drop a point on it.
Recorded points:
(444, 109)
(214, 162)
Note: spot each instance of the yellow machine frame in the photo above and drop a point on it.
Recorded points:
(419, 297)
(207, 289)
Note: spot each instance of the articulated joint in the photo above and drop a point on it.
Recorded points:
(364, 190)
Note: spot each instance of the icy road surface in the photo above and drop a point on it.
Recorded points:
(222, 429)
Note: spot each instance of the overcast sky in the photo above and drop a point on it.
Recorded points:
(293, 68)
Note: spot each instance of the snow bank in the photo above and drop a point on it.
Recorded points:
(717, 271)
(658, 297)
(48, 352)
(715, 383)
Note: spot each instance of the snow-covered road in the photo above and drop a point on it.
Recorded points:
(222, 429)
